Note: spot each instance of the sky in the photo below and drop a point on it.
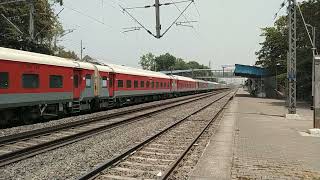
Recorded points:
(226, 32)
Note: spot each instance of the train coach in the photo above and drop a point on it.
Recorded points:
(132, 85)
(185, 85)
(34, 85)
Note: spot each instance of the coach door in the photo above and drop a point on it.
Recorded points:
(111, 84)
(76, 84)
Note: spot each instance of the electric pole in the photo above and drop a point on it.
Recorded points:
(81, 51)
(31, 20)
(157, 6)
(158, 25)
(291, 69)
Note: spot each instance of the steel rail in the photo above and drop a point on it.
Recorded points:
(37, 132)
(93, 173)
(21, 154)
(176, 163)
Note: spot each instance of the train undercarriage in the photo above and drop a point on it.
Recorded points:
(45, 112)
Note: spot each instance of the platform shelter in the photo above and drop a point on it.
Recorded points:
(260, 82)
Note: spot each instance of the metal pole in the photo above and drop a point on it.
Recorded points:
(192, 73)
(158, 25)
(277, 77)
(31, 20)
(287, 82)
(316, 122)
(315, 96)
(292, 57)
(313, 56)
(81, 50)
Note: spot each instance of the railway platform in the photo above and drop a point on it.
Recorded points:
(256, 141)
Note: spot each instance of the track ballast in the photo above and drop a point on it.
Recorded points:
(23, 145)
(159, 155)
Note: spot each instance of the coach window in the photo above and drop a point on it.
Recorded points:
(4, 80)
(157, 84)
(142, 84)
(161, 85)
(56, 81)
(30, 81)
(152, 84)
(148, 84)
(88, 81)
(129, 84)
(104, 82)
(165, 85)
(120, 83)
(136, 84)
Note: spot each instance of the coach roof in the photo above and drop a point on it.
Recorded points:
(104, 68)
(199, 80)
(30, 57)
(182, 78)
(136, 71)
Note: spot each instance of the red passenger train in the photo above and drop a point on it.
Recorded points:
(35, 85)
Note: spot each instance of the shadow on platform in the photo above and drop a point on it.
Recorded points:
(244, 95)
(259, 114)
(300, 105)
(277, 102)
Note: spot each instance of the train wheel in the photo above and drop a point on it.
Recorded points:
(29, 115)
(7, 118)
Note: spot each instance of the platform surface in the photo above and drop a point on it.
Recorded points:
(256, 141)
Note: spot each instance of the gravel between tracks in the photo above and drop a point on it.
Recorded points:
(19, 129)
(188, 163)
(73, 160)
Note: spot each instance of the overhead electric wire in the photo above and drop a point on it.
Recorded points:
(124, 10)
(48, 24)
(88, 16)
(140, 7)
(13, 25)
(305, 25)
(187, 21)
(196, 8)
(283, 4)
(177, 2)
(177, 19)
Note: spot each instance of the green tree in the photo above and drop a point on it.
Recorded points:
(147, 61)
(165, 62)
(46, 26)
(180, 64)
(67, 54)
(275, 46)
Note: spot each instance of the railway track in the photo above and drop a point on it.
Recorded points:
(159, 155)
(23, 145)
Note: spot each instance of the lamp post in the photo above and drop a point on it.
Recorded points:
(81, 51)
(313, 58)
(278, 64)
